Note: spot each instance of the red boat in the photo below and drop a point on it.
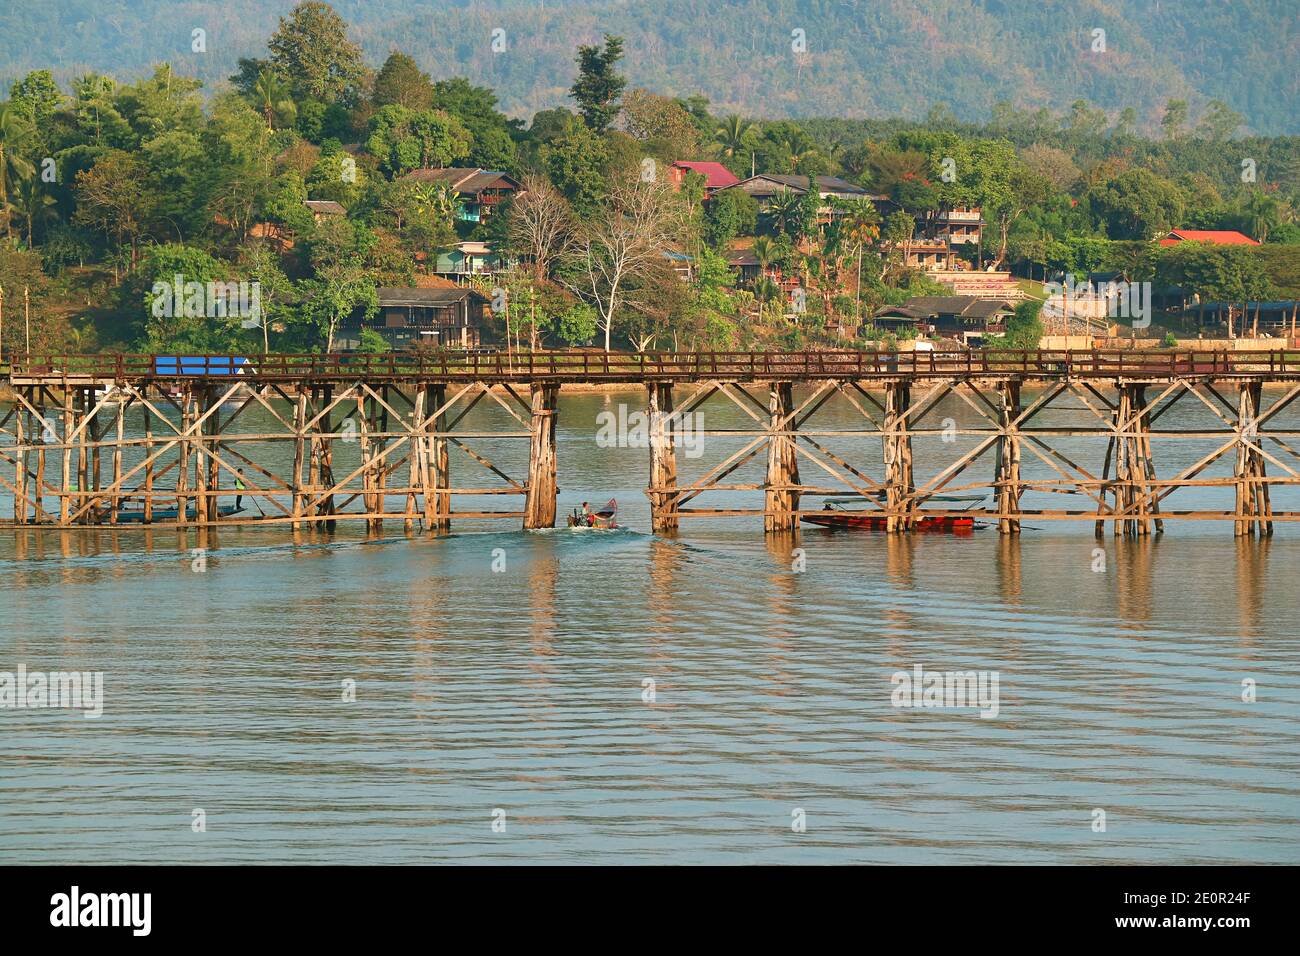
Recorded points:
(835, 515)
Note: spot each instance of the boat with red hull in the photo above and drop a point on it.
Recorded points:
(834, 514)
(955, 524)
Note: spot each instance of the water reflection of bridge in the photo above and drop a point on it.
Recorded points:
(73, 463)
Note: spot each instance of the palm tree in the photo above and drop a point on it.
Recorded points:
(860, 225)
(271, 94)
(733, 135)
(32, 203)
(786, 212)
(16, 133)
(1263, 212)
(799, 150)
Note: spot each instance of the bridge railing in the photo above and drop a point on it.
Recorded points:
(650, 366)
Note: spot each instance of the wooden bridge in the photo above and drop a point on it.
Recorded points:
(73, 463)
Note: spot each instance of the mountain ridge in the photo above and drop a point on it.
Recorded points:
(858, 59)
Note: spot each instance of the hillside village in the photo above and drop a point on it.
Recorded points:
(376, 209)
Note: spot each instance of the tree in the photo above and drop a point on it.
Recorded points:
(312, 49)
(37, 97)
(575, 162)
(1024, 329)
(401, 83)
(859, 226)
(661, 124)
(275, 292)
(622, 245)
(1175, 118)
(734, 136)
(540, 224)
(342, 281)
(728, 214)
(404, 140)
(33, 204)
(599, 87)
(899, 227)
(1136, 204)
(113, 196)
(788, 213)
(270, 94)
(240, 168)
(1219, 122)
(16, 135)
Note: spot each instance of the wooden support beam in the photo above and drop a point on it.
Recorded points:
(1254, 510)
(539, 504)
(437, 505)
(899, 486)
(299, 451)
(663, 458)
(780, 511)
(1007, 469)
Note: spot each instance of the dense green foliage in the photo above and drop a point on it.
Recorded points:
(109, 187)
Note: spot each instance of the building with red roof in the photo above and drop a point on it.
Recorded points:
(716, 176)
(1218, 237)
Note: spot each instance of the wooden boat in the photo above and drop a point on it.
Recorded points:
(603, 520)
(835, 514)
(127, 515)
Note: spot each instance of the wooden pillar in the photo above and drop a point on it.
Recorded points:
(148, 468)
(898, 456)
(326, 476)
(20, 467)
(416, 448)
(437, 461)
(780, 513)
(663, 458)
(183, 461)
(299, 448)
(1008, 458)
(115, 502)
(539, 502)
(44, 432)
(201, 488)
(381, 461)
(85, 428)
(1254, 510)
(69, 423)
(367, 460)
(314, 453)
(94, 434)
(1144, 465)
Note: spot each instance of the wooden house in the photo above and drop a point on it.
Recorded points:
(447, 317)
(480, 191)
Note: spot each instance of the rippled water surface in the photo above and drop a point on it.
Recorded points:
(524, 690)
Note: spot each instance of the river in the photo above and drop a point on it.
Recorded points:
(623, 697)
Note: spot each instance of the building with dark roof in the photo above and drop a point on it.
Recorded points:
(443, 317)
(480, 191)
(956, 316)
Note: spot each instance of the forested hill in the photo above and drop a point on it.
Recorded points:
(863, 58)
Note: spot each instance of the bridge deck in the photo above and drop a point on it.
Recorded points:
(602, 367)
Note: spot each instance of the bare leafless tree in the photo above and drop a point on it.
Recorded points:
(541, 223)
(624, 242)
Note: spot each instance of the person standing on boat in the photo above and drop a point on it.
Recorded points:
(586, 515)
(239, 488)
